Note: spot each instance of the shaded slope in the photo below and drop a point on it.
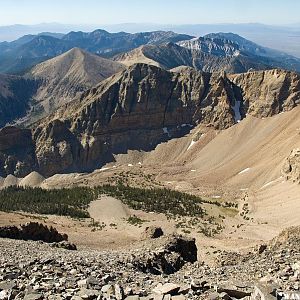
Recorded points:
(15, 96)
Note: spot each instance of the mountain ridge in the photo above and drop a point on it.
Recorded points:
(143, 106)
(17, 57)
(66, 76)
(51, 84)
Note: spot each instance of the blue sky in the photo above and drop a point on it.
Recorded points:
(152, 11)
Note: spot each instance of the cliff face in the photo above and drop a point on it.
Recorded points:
(137, 109)
(267, 93)
(145, 105)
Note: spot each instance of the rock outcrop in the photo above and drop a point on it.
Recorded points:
(33, 231)
(291, 167)
(153, 232)
(267, 93)
(169, 258)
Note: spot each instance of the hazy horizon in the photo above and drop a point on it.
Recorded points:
(98, 26)
(175, 12)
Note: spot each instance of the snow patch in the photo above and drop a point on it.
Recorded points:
(267, 184)
(245, 171)
(236, 53)
(245, 189)
(186, 125)
(191, 145)
(216, 197)
(166, 131)
(193, 170)
(270, 183)
(130, 165)
(103, 169)
(237, 113)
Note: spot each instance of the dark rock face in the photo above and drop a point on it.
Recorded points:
(17, 151)
(168, 259)
(186, 247)
(153, 232)
(15, 95)
(33, 231)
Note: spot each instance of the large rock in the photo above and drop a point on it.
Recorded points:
(33, 231)
(169, 258)
(153, 232)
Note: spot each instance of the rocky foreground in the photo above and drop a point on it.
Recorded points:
(37, 270)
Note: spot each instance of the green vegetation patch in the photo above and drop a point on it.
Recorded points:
(134, 220)
(74, 201)
(63, 202)
(159, 200)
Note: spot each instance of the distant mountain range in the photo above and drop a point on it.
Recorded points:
(282, 38)
(214, 52)
(54, 70)
(20, 55)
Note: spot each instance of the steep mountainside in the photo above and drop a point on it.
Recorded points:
(143, 106)
(15, 96)
(51, 84)
(268, 93)
(19, 56)
(62, 78)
